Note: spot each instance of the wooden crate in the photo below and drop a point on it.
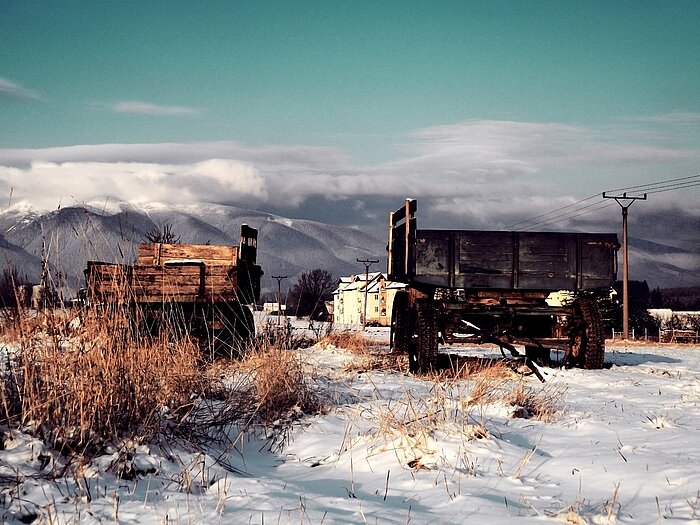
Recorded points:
(157, 254)
(188, 282)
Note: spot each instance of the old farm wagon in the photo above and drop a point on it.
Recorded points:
(194, 289)
(497, 287)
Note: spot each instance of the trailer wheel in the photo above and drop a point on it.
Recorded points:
(400, 320)
(423, 344)
(588, 341)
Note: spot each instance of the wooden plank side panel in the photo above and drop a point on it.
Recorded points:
(108, 282)
(598, 260)
(432, 257)
(547, 260)
(213, 255)
(142, 283)
(484, 259)
(184, 283)
(148, 253)
(398, 253)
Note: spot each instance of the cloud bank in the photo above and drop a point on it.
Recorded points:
(485, 174)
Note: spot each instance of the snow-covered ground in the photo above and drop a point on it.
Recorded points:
(623, 446)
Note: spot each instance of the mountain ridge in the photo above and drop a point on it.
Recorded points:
(70, 236)
(73, 235)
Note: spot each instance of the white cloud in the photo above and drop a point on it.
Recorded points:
(44, 184)
(484, 172)
(9, 89)
(146, 108)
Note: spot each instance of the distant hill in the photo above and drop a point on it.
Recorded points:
(71, 236)
(661, 265)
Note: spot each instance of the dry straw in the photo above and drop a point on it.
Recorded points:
(94, 381)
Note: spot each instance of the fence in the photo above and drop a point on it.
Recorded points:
(670, 335)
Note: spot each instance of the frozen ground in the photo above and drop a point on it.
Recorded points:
(623, 446)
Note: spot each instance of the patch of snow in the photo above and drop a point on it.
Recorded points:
(622, 447)
(281, 220)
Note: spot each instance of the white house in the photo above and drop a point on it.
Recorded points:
(352, 292)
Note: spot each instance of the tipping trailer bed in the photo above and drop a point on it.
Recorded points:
(493, 286)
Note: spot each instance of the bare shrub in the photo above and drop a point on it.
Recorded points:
(12, 288)
(165, 234)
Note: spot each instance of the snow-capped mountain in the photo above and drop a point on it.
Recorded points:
(71, 236)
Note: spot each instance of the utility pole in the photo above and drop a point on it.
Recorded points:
(367, 263)
(279, 292)
(625, 202)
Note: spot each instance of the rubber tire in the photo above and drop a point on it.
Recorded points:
(591, 339)
(399, 336)
(423, 347)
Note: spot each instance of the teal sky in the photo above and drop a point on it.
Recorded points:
(491, 111)
(336, 73)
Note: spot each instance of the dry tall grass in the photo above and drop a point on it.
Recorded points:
(542, 404)
(350, 340)
(80, 386)
(278, 385)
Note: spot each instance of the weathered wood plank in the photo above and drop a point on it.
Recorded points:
(141, 283)
(212, 255)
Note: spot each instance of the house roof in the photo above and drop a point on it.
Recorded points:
(357, 282)
(371, 276)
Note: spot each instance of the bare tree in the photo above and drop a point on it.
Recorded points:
(311, 290)
(164, 234)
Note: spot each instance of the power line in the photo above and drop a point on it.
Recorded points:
(659, 183)
(563, 216)
(675, 188)
(553, 211)
(598, 205)
(653, 187)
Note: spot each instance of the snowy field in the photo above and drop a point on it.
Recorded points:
(619, 445)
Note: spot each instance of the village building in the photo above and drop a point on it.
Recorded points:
(274, 308)
(352, 292)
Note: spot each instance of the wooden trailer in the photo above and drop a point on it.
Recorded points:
(194, 289)
(469, 286)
